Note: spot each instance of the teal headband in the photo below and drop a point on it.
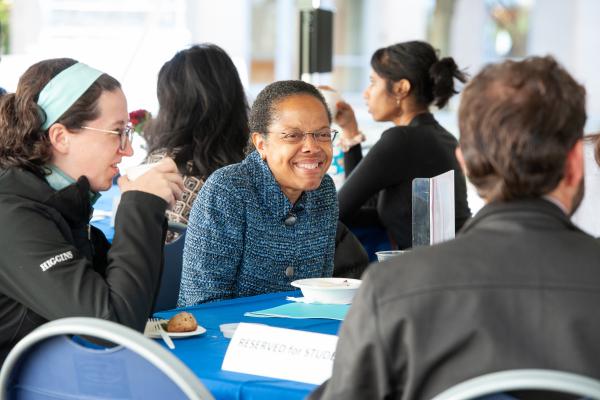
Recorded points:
(64, 89)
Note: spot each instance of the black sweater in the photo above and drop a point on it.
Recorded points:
(422, 149)
(53, 264)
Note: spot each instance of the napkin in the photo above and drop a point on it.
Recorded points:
(304, 311)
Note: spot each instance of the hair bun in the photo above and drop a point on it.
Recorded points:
(445, 64)
(442, 73)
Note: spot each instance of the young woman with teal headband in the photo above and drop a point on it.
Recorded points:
(62, 134)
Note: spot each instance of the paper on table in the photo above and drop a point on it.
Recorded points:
(433, 209)
(283, 353)
(304, 311)
(100, 214)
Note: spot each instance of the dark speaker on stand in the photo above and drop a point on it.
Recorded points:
(316, 41)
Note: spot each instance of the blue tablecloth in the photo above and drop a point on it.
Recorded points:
(204, 354)
(105, 203)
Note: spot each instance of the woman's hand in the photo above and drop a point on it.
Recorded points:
(163, 181)
(346, 119)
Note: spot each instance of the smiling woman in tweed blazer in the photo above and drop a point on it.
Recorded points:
(258, 225)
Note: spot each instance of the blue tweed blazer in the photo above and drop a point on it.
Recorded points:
(237, 243)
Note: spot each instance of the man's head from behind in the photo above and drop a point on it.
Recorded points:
(521, 123)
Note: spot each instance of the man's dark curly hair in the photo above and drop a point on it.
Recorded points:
(518, 120)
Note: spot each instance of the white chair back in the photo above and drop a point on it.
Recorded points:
(29, 370)
(523, 379)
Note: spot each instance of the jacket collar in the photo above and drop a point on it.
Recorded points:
(425, 118)
(269, 190)
(72, 202)
(59, 180)
(518, 215)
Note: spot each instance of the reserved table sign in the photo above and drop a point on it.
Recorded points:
(281, 353)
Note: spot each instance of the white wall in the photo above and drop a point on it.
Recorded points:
(226, 24)
(466, 38)
(394, 21)
(568, 30)
(587, 56)
(553, 29)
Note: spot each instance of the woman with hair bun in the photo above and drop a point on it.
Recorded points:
(406, 79)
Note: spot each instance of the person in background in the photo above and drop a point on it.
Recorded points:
(406, 79)
(519, 286)
(260, 224)
(351, 258)
(62, 134)
(202, 120)
(587, 216)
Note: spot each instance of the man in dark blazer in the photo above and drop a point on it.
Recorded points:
(520, 285)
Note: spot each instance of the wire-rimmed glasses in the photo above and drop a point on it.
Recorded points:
(323, 136)
(125, 135)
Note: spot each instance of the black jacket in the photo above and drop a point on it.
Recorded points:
(53, 264)
(518, 288)
(422, 149)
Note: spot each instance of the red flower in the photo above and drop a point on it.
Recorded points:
(138, 119)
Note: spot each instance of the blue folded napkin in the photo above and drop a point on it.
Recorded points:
(304, 311)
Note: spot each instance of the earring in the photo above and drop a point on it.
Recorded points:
(398, 101)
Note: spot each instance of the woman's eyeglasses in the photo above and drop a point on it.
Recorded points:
(322, 136)
(125, 135)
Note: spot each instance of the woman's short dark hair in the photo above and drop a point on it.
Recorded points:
(518, 120)
(265, 105)
(431, 79)
(203, 111)
(23, 142)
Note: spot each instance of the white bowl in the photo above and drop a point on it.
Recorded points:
(328, 290)
(387, 254)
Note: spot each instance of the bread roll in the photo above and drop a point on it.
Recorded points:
(182, 322)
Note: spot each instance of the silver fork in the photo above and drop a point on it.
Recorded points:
(155, 322)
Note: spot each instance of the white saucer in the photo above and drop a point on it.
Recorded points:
(151, 333)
